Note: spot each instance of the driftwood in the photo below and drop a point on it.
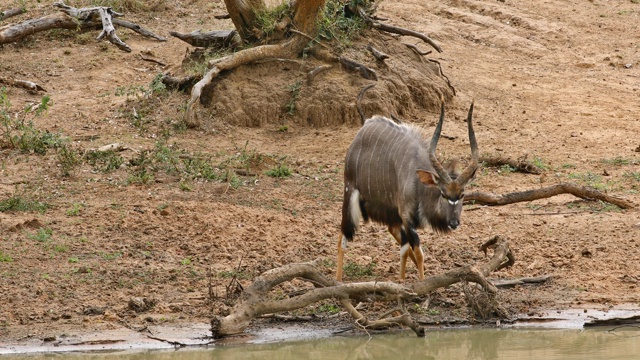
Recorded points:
(11, 12)
(214, 39)
(582, 192)
(29, 85)
(255, 300)
(520, 165)
(75, 19)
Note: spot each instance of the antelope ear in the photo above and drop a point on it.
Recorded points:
(428, 178)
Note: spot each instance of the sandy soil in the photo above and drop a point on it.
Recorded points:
(557, 82)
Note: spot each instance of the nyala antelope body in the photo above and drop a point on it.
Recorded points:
(393, 178)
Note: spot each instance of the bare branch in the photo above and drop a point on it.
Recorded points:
(11, 12)
(255, 300)
(546, 192)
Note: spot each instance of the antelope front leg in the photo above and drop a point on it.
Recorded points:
(396, 232)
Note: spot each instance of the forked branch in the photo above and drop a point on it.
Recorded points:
(256, 301)
(546, 192)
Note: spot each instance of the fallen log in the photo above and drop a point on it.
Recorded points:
(75, 19)
(255, 300)
(11, 12)
(582, 192)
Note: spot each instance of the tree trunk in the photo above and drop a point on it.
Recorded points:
(243, 15)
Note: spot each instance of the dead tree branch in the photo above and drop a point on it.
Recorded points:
(11, 12)
(29, 85)
(546, 192)
(74, 19)
(520, 165)
(255, 300)
(215, 39)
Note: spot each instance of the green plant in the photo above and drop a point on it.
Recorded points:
(68, 159)
(294, 89)
(269, 18)
(239, 274)
(75, 209)
(185, 261)
(73, 260)
(104, 161)
(111, 256)
(619, 161)
(279, 171)
(540, 163)
(506, 169)
(328, 309)
(20, 133)
(336, 24)
(43, 235)
(633, 175)
(5, 257)
(355, 270)
(20, 202)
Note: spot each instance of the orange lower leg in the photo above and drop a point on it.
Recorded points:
(395, 232)
(340, 256)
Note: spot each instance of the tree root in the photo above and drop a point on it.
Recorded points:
(397, 30)
(255, 300)
(582, 192)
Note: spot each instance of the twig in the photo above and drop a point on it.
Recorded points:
(146, 58)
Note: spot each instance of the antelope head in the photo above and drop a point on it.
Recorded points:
(450, 183)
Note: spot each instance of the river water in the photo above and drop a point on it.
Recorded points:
(565, 344)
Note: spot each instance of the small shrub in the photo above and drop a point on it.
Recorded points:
(22, 203)
(68, 159)
(104, 161)
(5, 257)
(355, 270)
(280, 171)
(43, 235)
(75, 209)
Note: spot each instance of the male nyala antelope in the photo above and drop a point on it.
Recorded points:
(392, 178)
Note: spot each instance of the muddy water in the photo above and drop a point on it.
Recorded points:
(621, 343)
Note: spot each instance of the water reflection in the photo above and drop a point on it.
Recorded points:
(623, 343)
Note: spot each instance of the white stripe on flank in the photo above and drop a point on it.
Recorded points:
(373, 151)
